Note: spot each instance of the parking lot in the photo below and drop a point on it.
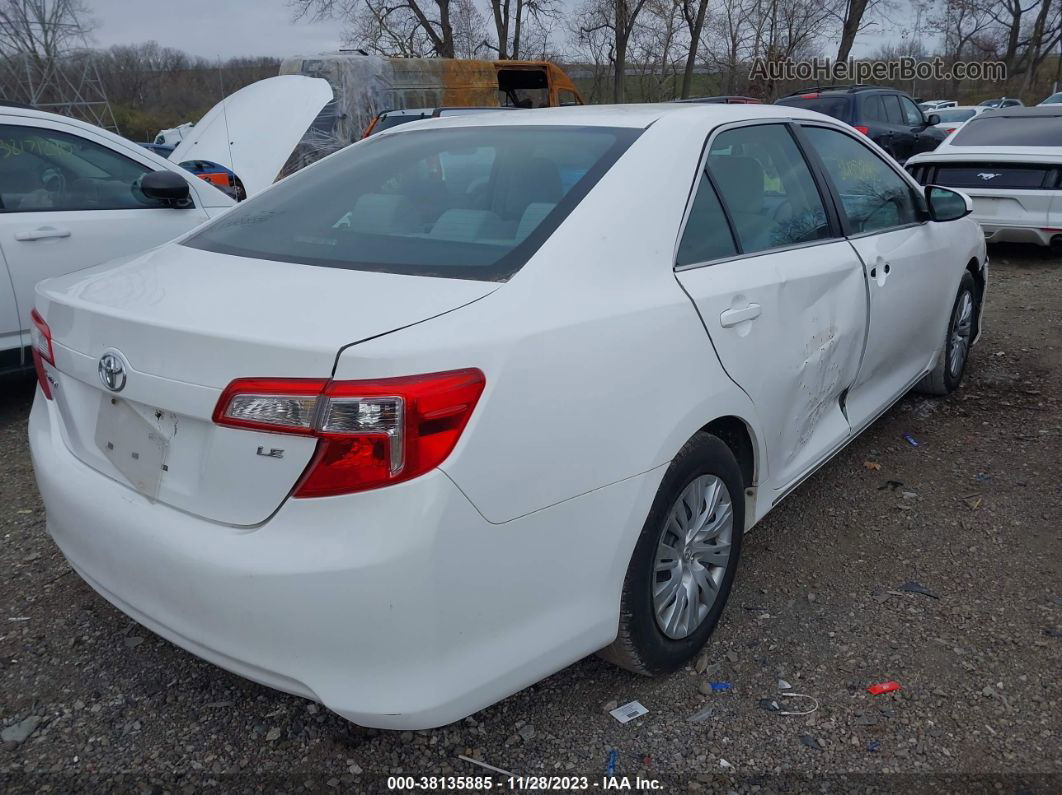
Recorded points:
(938, 566)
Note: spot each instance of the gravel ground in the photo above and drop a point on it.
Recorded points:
(937, 566)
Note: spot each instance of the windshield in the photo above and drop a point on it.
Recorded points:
(464, 202)
(988, 130)
(831, 106)
(955, 115)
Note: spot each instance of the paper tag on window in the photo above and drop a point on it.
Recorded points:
(628, 712)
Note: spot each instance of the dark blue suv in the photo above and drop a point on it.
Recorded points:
(888, 117)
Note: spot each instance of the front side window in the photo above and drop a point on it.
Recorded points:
(874, 197)
(911, 113)
(461, 202)
(42, 169)
(767, 188)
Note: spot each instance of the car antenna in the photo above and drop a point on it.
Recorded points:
(225, 115)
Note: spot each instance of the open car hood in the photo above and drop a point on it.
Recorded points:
(253, 131)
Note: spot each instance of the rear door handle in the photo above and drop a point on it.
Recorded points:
(732, 317)
(42, 233)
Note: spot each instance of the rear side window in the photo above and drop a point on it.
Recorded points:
(838, 107)
(463, 202)
(892, 108)
(874, 109)
(1010, 131)
(767, 188)
(707, 235)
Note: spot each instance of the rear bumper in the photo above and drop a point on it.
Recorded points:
(996, 232)
(396, 608)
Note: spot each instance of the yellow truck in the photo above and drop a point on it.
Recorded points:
(366, 85)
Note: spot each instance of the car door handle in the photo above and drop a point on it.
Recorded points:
(42, 233)
(732, 317)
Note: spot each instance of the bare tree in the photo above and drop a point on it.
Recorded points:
(470, 29)
(853, 17)
(42, 30)
(618, 17)
(656, 49)
(396, 21)
(694, 12)
(44, 59)
(511, 18)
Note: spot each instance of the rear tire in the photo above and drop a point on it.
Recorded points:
(951, 363)
(684, 562)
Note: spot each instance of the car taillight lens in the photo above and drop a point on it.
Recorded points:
(41, 339)
(370, 433)
(862, 129)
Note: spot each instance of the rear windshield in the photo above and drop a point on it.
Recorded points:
(831, 106)
(954, 115)
(466, 203)
(1010, 131)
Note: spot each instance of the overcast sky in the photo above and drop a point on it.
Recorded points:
(227, 28)
(212, 28)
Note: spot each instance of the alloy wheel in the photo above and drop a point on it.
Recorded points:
(692, 556)
(959, 338)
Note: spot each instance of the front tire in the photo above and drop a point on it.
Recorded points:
(951, 363)
(684, 562)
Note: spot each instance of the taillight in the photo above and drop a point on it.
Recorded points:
(950, 130)
(862, 129)
(370, 433)
(41, 339)
(809, 96)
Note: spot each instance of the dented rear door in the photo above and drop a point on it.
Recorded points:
(783, 297)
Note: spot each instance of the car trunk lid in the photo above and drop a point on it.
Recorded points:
(179, 339)
(1010, 191)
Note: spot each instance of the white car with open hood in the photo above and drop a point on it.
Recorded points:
(473, 398)
(253, 132)
(1009, 161)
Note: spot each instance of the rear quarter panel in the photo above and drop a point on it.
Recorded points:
(597, 365)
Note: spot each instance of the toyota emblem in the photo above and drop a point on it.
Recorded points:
(112, 370)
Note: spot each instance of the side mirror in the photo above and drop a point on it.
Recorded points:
(932, 119)
(167, 187)
(946, 204)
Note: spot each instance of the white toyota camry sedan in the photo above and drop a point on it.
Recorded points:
(465, 402)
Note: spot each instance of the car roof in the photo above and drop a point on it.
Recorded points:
(846, 90)
(635, 116)
(1021, 111)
